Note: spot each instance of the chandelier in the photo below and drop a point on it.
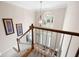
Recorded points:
(40, 18)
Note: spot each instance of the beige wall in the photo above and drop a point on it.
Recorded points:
(58, 17)
(19, 15)
(71, 23)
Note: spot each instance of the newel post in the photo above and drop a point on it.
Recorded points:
(18, 45)
(32, 36)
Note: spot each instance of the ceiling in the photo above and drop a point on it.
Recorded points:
(35, 5)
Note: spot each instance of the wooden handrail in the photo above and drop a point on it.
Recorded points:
(52, 30)
(59, 31)
(26, 32)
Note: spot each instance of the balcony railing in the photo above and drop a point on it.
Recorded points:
(46, 42)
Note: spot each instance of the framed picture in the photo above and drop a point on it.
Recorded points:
(8, 25)
(19, 29)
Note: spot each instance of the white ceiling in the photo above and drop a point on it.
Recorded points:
(35, 5)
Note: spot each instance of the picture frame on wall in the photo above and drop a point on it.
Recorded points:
(8, 25)
(19, 29)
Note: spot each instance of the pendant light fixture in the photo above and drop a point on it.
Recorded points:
(40, 18)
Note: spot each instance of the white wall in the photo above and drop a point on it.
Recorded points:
(71, 23)
(58, 15)
(19, 15)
